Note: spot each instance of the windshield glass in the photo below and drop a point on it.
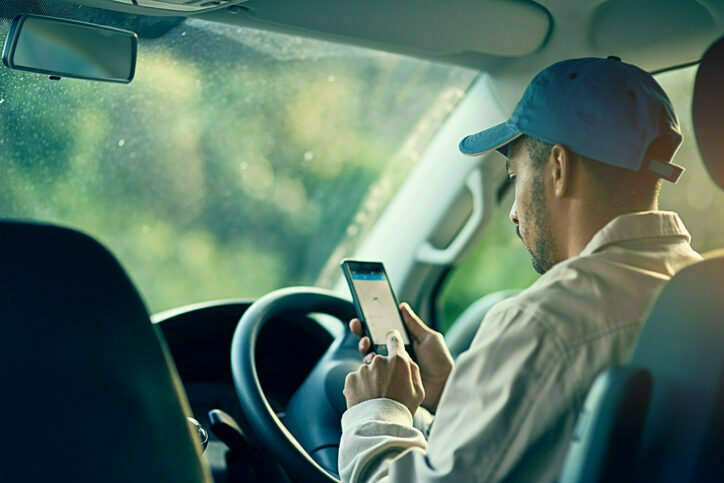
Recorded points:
(501, 262)
(235, 163)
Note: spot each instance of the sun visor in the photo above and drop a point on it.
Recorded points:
(629, 30)
(498, 28)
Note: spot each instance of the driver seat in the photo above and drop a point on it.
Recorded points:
(661, 417)
(90, 392)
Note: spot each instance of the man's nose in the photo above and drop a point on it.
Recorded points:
(514, 213)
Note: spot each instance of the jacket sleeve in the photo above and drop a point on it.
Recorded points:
(503, 394)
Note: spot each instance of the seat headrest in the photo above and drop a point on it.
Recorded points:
(708, 111)
(90, 392)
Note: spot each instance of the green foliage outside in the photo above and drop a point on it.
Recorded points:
(232, 165)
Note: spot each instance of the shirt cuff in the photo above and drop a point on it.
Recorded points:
(422, 420)
(382, 409)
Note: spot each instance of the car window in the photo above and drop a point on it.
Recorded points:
(235, 163)
(500, 261)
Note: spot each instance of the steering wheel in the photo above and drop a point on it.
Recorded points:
(307, 443)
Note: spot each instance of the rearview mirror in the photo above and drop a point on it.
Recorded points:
(68, 48)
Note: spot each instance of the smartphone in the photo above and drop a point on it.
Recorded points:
(375, 303)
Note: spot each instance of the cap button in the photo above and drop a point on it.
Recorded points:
(613, 57)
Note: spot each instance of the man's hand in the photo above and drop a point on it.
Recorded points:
(395, 376)
(432, 354)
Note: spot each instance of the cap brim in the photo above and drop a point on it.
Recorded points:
(497, 137)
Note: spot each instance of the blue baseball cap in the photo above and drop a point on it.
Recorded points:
(603, 109)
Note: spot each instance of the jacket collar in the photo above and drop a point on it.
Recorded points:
(634, 226)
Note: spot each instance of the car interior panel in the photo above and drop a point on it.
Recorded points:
(178, 314)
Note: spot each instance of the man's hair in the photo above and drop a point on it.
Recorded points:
(617, 185)
(537, 149)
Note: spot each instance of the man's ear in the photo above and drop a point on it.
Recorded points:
(559, 163)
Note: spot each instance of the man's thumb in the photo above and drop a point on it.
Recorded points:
(415, 326)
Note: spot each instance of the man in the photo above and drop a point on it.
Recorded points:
(587, 147)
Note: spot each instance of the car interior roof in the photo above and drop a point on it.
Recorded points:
(510, 40)
(486, 35)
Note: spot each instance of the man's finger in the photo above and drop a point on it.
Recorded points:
(356, 327)
(415, 326)
(364, 345)
(414, 368)
(368, 358)
(394, 344)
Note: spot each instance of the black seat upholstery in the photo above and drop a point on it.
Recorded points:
(661, 418)
(89, 392)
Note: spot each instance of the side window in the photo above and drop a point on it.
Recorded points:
(500, 261)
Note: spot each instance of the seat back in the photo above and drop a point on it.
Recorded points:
(89, 390)
(682, 347)
(661, 418)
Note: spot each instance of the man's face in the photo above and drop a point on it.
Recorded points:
(530, 212)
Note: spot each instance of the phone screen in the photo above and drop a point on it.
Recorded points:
(375, 297)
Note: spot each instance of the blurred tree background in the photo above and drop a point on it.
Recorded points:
(233, 164)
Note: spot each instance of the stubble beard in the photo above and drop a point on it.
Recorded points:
(543, 257)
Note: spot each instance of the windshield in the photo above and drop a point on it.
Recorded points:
(235, 163)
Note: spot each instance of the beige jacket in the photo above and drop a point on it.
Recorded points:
(510, 404)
